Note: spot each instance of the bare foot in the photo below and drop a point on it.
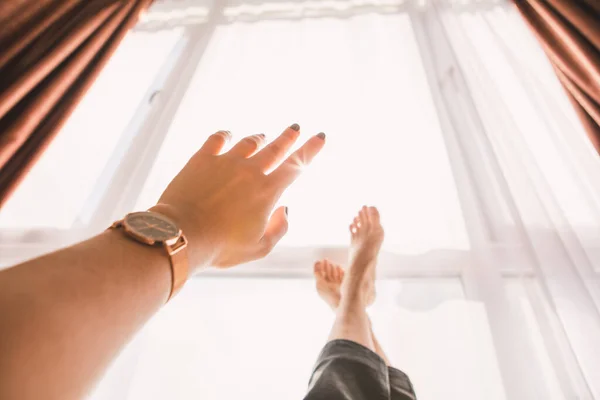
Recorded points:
(329, 279)
(367, 238)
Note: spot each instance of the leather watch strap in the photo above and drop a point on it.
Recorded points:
(179, 264)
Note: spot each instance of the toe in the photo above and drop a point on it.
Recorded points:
(374, 214)
(353, 229)
(331, 272)
(364, 215)
(326, 270)
(318, 268)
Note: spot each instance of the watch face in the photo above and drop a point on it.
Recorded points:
(151, 226)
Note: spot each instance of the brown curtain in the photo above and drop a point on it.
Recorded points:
(569, 31)
(50, 53)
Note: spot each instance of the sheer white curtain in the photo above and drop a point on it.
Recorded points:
(538, 189)
(445, 114)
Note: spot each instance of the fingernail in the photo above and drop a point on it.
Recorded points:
(226, 133)
(321, 136)
(286, 211)
(262, 135)
(295, 127)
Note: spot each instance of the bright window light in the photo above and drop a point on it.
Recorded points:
(361, 81)
(424, 325)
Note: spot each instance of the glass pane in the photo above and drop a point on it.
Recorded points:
(362, 82)
(258, 338)
(60, 184)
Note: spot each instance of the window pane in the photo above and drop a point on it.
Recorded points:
(361, 81)
(58, 188)
(259, 338)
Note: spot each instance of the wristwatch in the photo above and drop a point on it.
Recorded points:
(154, 229)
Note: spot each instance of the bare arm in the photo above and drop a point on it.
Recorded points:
(64, 316)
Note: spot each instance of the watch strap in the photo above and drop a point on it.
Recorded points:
(178, 258)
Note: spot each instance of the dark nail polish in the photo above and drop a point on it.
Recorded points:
(286, 211)
(295, 127)
(321, 136)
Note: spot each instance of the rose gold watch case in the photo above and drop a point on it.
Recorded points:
(147, 239)
(173, 245)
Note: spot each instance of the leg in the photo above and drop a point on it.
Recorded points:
(400, 386)
(352, 366)
(379, 350)
(329, 278)
(352, 323)
(358, 288)
(350, 295)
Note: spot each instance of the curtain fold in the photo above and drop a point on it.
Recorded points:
(51, 53)
(569, 31)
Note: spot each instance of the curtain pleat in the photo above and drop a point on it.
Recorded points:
(569, 31)
(49, 60)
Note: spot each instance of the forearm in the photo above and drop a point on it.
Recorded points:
(65, 315)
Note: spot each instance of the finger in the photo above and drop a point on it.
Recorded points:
(276, 228)
(274, 152)
(215, 142)
(247, 146)
(290, 169)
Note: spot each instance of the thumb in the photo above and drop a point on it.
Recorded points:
(276, 228)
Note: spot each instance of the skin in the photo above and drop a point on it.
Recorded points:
(350, 293)
(64, 316)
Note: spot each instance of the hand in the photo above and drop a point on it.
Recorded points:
(223, 202)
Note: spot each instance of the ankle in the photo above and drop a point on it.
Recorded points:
(363, 260)
(355, 301)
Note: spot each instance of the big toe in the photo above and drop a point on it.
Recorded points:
(373, 213)
(318, 269)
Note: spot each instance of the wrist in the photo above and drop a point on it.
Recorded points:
(143, 263)
(200, 249)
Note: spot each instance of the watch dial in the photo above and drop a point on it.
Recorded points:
(151, 225)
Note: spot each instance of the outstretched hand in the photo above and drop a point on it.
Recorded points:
(224, 202)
